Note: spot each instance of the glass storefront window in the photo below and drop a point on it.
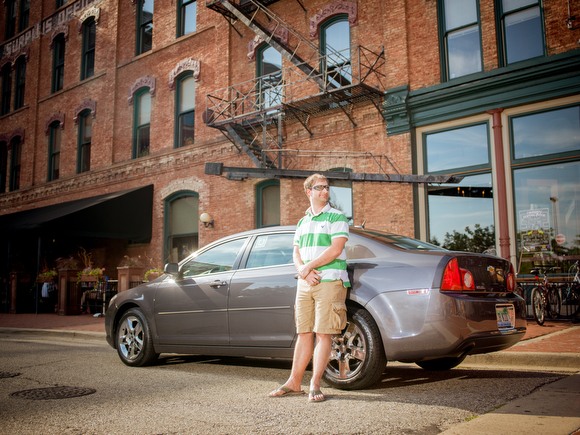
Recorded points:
(458, 148)
(546, 201)
(551, 132)
(461, 215)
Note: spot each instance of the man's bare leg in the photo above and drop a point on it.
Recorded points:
(302, 356)
(320, 361)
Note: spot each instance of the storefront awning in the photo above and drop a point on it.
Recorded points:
(126, 214)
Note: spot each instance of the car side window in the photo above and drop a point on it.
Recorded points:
(271, 250)
(220, 258)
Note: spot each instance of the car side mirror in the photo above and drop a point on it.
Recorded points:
(171, 269)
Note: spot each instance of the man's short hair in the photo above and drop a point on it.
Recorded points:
(310, 181)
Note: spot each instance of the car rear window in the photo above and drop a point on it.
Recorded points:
(401, 242)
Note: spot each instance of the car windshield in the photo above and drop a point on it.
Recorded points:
(401, 242)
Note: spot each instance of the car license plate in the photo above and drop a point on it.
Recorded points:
(506, 316)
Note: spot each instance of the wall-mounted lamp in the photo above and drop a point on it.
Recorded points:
(206, 219)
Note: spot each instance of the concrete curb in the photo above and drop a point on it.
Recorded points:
(526, 359)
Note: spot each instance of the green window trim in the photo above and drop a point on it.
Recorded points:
(20, 83)
(167, 235)
(180, 139)
(444, 34)
(501, 30)
(84, 142)
(186, 17)
(15, 163)
(89, 43)
(141, 130)
(58, 63)
(260, 202)
(54, 143)
(144, 38)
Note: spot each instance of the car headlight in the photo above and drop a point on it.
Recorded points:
(112, 300)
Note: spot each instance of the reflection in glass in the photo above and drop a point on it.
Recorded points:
(188, 16)
(510, 5)
(271, 250)
(220, 258)
(556, 189)
(464, 52)
(186, 94)
(86, 127)
(523, 35)
(461, 147)
(459, 13)
(270, 68)
(453, 207)
(337, 51)
(183, 227)
(552, 132)
(341, 198)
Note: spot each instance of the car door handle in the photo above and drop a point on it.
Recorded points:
(217, 283)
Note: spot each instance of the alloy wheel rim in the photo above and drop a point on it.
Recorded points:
(348, 354)
(131, 338)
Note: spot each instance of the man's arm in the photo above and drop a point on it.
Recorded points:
(325, 257)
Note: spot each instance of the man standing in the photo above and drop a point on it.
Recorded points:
(320, 259)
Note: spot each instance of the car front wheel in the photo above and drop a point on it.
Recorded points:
(134, 343)
(358, 358)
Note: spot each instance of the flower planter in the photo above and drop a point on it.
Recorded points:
(91, 278)
(43, 279)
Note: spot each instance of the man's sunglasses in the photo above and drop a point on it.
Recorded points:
(321, 187)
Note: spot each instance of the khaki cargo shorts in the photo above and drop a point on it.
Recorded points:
(320, 308)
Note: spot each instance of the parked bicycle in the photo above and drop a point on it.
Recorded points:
(545, 297)
(571, 294)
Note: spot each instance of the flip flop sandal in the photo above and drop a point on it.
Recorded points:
(288, 392)
(313, 394)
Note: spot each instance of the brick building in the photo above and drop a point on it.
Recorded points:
(122, 122)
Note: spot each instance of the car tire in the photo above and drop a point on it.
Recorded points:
(441, 364)
(134, 342)
(357, 358)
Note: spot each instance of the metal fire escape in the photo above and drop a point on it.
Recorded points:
(251, 114)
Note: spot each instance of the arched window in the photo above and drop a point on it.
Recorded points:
(141, 123)
(20, 82)
(15, 163)
(269, 69)
(144, 26)
(85, 139)
(335, 46)
(185, 110)
(268, 204)
(3, 166)
(6, 88)
(181, 225)
(54, 140)
(186, 17)
(58, 63)
(88, 59)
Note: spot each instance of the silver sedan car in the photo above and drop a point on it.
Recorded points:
(410, 301)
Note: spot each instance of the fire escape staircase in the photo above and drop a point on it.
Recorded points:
(250, 114)
(255, 127)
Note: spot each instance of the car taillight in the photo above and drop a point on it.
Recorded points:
(456, 278)
(511, 279)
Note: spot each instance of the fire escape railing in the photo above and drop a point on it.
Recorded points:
(354, 80)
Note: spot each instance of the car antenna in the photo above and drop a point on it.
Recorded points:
(361, 226)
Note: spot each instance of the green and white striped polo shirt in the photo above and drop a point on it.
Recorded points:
(315, 233)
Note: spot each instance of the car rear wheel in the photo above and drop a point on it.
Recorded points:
(441, 363)
(357, 359)
(538, 306)
(134, 343)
